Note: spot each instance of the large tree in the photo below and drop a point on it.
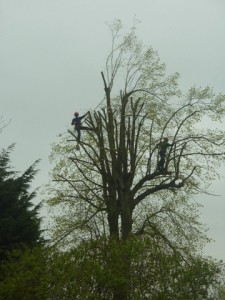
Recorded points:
(112, 186)
(19, 220)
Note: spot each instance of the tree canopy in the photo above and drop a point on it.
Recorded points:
(112, 187)
(19, 220)
(113, 181)
(95, 270)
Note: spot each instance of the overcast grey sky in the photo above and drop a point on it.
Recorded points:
(52, 53)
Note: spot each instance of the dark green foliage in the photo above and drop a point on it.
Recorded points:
(97, 270)
(29, 280)
(19, 222)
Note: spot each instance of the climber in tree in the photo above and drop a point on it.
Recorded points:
(76, 122)
(163, 145)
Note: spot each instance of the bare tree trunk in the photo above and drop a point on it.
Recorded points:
(113, 225)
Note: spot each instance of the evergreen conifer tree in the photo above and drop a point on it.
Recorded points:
(19, 221)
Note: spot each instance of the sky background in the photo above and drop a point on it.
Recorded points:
(52, 53)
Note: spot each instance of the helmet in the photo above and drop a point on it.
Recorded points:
(76, 114)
